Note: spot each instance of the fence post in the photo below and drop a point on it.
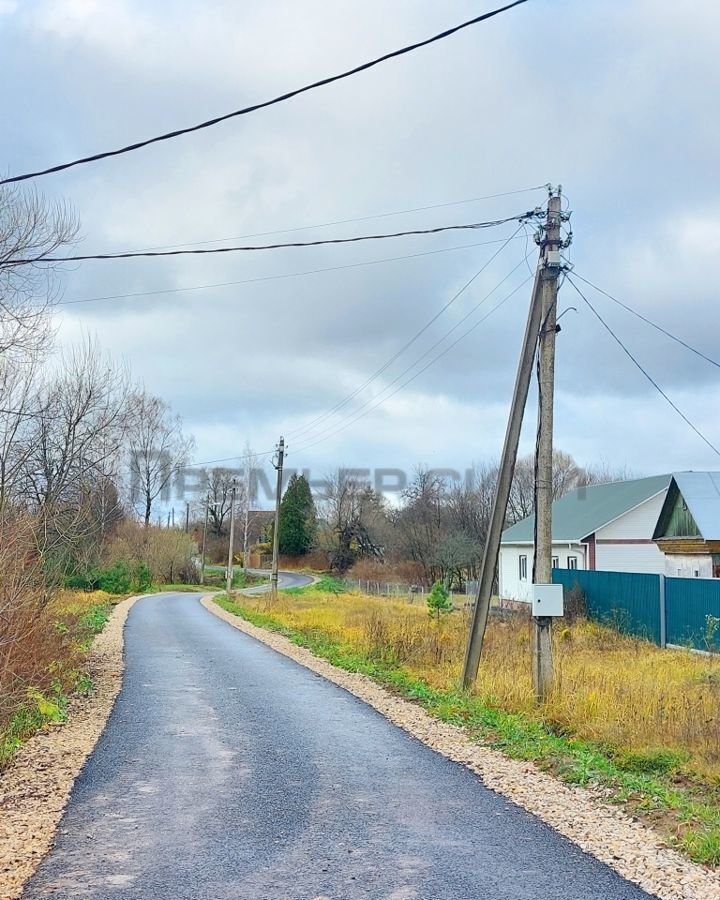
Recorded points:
(663, 612)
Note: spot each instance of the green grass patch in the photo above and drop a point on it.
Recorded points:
(653, 783)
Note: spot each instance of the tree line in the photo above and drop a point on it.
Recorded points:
(437, 530)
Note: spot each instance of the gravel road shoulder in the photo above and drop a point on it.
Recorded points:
(630, 848)
(36, 786)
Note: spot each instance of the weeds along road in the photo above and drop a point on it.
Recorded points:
(228, 771)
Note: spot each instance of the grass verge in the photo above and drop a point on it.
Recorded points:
(657, 785)
(74, 618)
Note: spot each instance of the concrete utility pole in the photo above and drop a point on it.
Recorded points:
(276, 529)
(481, 610)
(506, 471)
(229, 578)
(204, 540)
(187, 516)
(550, 266)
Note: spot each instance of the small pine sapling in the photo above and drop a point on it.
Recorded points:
(438, 600)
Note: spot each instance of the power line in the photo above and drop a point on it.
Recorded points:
(212, 462)
(201, 287)
(433, 346)
(383, 215)
(310, 425)
(643, 318)
(256, 106)
(420, 372)
(643, 370)
(471, 226)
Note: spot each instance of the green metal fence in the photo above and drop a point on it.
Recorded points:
(627, 601)
(693, 612)
(679, 611)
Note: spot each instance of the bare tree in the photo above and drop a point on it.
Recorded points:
(567, 476)
(31, 228)
(72, 447)
(18, 406)
(251, 469)
(605, 473)
(423, 520)
(218, 485)
(470, 504)
(350, 513)
(157, 449)
(77, 429)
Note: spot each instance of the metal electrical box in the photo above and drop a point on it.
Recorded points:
(547, 600)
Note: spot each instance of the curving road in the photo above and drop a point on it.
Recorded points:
(285, 580)
(227, 771)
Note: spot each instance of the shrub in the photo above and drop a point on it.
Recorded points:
(115, 580)
(438, 600)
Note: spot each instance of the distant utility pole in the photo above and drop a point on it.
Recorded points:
(187, 516)
(276, 529)
(506, 471)
(204, 539)
(550, 266)
(229, 578)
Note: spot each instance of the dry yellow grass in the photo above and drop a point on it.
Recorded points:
(617, 690)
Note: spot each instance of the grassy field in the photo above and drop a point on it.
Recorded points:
(641, 722)
(39, 680)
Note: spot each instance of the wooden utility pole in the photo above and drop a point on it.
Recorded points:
(204, 540)
(276, 529)
(550, 266)
(229, 578)
(187, 516)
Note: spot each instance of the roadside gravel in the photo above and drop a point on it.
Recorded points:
(37, 784)
(626, 845)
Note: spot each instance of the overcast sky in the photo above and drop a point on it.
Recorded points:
(615, 100)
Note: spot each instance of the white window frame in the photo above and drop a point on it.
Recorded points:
(556, 562)
(522, 566)
(572, 562)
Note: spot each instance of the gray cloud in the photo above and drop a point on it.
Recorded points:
(617, 104)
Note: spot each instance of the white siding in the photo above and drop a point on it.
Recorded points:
(511, 586)
(689, 566)
(637, 523)
(629, 558)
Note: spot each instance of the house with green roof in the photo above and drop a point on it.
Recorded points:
(606, 527)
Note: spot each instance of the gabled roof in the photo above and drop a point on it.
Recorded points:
(701, 493)
(584, 510)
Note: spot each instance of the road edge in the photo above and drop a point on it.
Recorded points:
(36, 786)
(627, 846)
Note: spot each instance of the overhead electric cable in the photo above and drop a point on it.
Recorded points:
(429, 350)
(420, 372)
(383, 215)
(310, 425)
(212, 462)
(643, 370)
(201, 287)
(470, 226)
(256, 106)
(643, 318)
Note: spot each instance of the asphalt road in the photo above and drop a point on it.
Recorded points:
(285, 580)
(227, 771)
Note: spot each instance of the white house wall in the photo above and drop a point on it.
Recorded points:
(688, 566)
(638, 523)
(511, 586)
(629, 558)
(614, 547)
